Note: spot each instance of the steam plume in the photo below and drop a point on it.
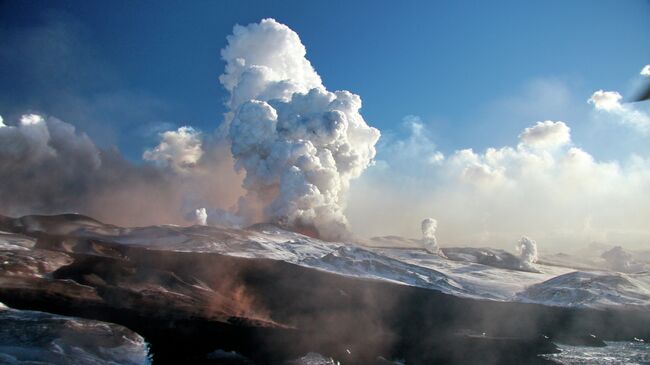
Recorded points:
(527, 249)
(299, 144)
(429, 226)
(201, 216)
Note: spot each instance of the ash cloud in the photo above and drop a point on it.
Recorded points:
(47, 166)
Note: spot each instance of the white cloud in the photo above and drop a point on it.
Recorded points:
(46, 167)
(179, 149)
(493, 197)
(645, 71)
(610, 102)
(547, 134)
(606, 100)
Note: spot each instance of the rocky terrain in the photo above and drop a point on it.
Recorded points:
(264, 295)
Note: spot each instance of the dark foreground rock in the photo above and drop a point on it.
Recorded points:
(187, 305)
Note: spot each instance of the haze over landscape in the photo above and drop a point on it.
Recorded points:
(209, 165)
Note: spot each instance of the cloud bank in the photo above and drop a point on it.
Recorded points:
(47, 167)
(543, 185)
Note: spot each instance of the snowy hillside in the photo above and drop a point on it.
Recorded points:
(590, 289)
(470, 272)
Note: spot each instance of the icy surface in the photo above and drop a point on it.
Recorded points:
(615, 353)
(591, 289)
(29, 337)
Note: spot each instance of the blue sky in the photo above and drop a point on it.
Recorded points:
(476, 73)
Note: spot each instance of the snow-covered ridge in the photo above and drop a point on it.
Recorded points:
(590, 289)
(470, 272)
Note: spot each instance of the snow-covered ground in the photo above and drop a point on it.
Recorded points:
(30, 337)
(615, 353)
(558, 285)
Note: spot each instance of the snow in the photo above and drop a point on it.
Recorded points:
(42, 338)
(590, 289)
(474, 273)
(615, 353)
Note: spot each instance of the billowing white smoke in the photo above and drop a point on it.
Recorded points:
(201, 216)
(429, 226)
(527, 249)
(180, 150)
(299, 144)
(618, 259)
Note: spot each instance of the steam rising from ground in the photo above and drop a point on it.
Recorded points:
(429, 226)
(527, 250)
(299, 144)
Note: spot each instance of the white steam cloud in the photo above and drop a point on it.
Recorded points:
(201, 216)
(429, 226)
(179, 150)
(527, 250)
(299, 144)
